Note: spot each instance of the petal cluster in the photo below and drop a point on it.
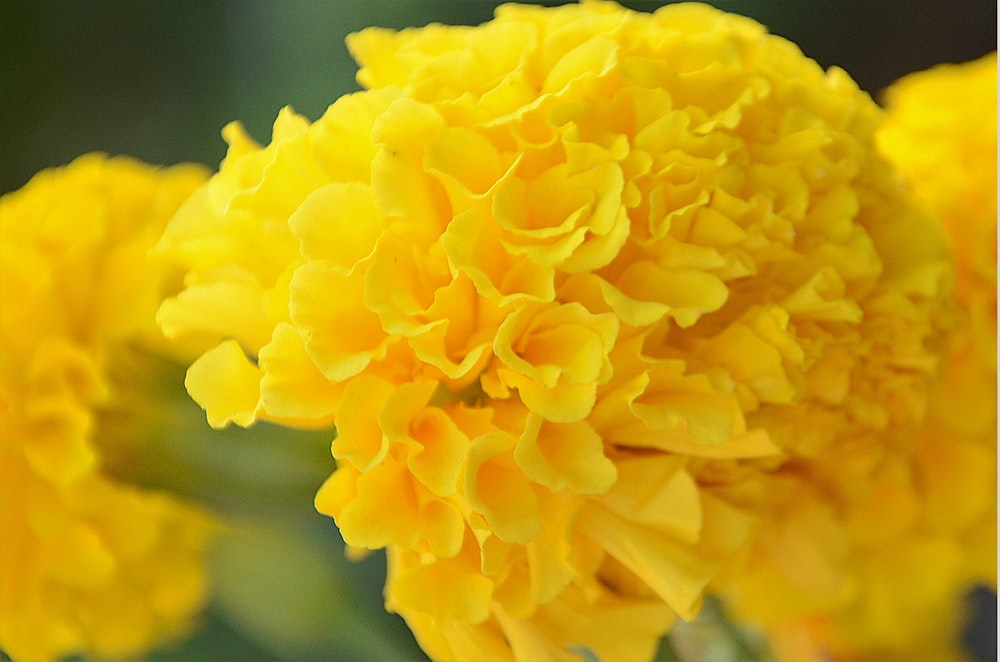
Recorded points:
(569, 284)
(88, 564)
(871, 560)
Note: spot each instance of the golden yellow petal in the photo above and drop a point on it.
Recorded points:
(226, 385)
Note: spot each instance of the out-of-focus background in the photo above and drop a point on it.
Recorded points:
(157, 80)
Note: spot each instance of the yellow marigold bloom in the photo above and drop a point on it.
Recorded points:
(562, 281)
(900, 553)
(88, 564)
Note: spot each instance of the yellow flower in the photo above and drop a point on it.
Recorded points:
(563, 281)
(926, 128)
(901, 537)
(88, 564)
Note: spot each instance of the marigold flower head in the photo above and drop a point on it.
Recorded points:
(961, 431)
(88, 564)
(561, 280)
(919, 526)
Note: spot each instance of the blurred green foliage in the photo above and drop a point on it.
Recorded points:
(283, 588)
(158, 80)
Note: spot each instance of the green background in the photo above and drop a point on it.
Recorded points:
(157, 80)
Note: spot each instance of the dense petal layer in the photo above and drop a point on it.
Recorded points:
(581, 282)
(874, 564)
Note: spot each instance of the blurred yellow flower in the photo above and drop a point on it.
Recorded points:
(88, 564)
(915, 529)
(565, 282)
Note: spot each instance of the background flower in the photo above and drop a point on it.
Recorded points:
(91, 564)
